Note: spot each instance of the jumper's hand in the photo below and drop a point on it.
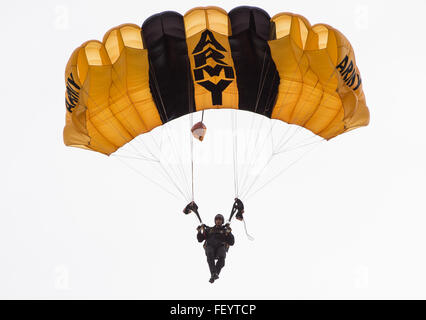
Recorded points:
(190, 207)
(239, 215)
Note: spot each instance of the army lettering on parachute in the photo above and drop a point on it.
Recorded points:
(200, 58)
(349, 74)
(72, 93)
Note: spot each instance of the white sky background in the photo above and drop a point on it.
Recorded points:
(347, 221)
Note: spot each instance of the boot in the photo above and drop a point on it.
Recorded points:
(212, 278)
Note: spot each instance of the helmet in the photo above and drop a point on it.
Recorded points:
(219, 216)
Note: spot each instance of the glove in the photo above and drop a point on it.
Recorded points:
(200, 227)
(192, 206)
(239, 215)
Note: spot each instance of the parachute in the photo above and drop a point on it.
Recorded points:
(141, 78)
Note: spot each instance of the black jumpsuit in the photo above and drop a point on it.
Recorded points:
(216, 246)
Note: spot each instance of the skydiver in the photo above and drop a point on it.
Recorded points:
(217, 240)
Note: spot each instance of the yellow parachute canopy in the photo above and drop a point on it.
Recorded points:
(281, 67)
